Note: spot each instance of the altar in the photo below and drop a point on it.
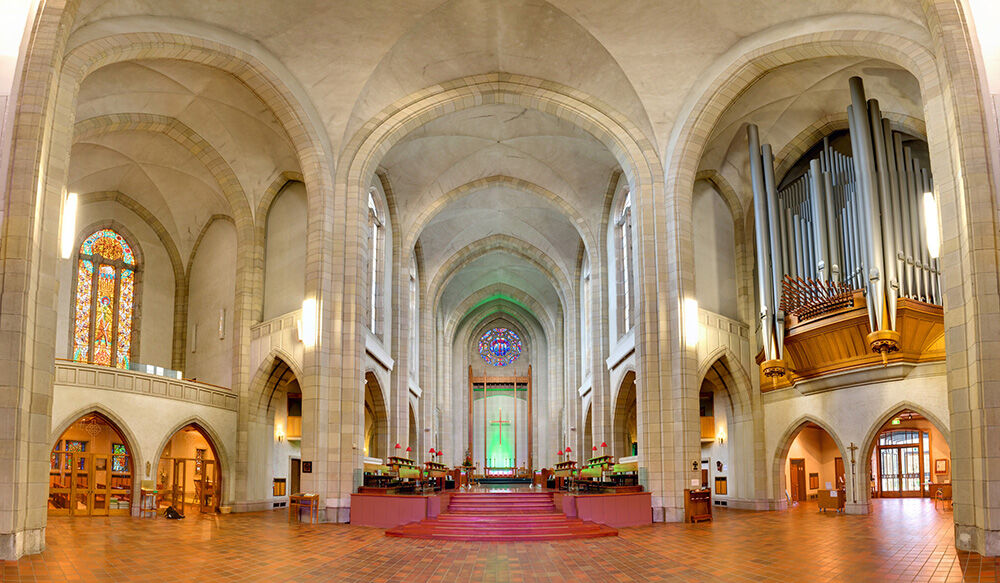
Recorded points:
(500, 423)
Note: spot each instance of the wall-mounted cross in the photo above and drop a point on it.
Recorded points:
(500, 423)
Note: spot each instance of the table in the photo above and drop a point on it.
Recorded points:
(297, 501)
(147, 496)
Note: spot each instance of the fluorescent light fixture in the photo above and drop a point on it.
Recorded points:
(307, 325)
(931, 225)
(692, 330)
(68, 233)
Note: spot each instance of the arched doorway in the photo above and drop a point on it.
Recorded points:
(811, 462)
(188, 476)
(909, 457)
(376, 420)
(413, 433)
(626, 418)
(90, 470)
(588, 435)
(715, 413)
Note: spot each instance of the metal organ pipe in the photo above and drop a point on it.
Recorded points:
(763, 254)
(767, 161)
(832, 242)
(895, 204)
(906, 248)
(823, 261)
(862, 146)
(887, 238)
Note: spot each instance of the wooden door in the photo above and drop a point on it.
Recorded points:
(61, 499)
(177, 485)
(798, 480)
(209, 486)
(80, 497)
(295, 476)
(838, 465)
(100, 485)
(704, 478)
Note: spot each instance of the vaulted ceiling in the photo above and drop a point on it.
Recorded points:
(492, 194)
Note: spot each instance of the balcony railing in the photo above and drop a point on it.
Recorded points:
(79, 374)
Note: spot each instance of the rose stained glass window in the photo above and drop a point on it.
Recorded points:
(500, 346)
(105, 300)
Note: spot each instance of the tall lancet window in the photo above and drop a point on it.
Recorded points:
(626, 267)
(376, 238)
(105, 300)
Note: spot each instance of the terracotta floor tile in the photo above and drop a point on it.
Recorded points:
(903, 540)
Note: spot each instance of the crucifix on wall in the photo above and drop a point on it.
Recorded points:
(500, 423)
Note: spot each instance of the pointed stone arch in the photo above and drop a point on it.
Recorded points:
(626, 409)
(785, 443)
(377, 434)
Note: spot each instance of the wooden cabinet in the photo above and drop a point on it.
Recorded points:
(697, 505)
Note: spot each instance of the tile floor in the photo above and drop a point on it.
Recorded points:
(904, 540)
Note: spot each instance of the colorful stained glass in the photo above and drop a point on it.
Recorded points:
(500, 346)
(81, 328)
(109, 340)
(109, 245)
(104, 316)
(119, 457)
(125, 301)
(71, 445)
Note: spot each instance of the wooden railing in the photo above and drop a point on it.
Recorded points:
(708, 428)
(294, 427)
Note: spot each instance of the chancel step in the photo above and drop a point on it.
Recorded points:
(502, 517)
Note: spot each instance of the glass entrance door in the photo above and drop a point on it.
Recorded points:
(900, 464)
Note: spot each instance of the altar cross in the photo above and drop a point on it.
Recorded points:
(500, 423)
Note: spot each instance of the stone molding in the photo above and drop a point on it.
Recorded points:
(94, 376)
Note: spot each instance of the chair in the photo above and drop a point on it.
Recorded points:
(939, 496)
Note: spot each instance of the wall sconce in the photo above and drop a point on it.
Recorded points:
(279, 432)
(68, 225)
(307, 323)
(721, 436)
(692, 329)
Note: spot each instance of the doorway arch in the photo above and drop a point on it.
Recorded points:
(91, 468)
(819, 457)
(189, 471)
(904, 441)
(626, 438)
(376, 419)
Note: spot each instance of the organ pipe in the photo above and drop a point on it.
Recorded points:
(847, 222)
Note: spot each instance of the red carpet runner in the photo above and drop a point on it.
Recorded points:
(515, 516)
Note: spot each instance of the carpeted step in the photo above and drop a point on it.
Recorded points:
(483, 516)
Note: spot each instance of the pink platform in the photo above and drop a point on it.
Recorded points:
(617, 510)
(387, 511)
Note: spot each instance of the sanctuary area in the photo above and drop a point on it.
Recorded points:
(349, 287)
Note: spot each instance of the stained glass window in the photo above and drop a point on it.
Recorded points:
(105, 300)
(119, 457)
(72, 445)
(500, 346)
